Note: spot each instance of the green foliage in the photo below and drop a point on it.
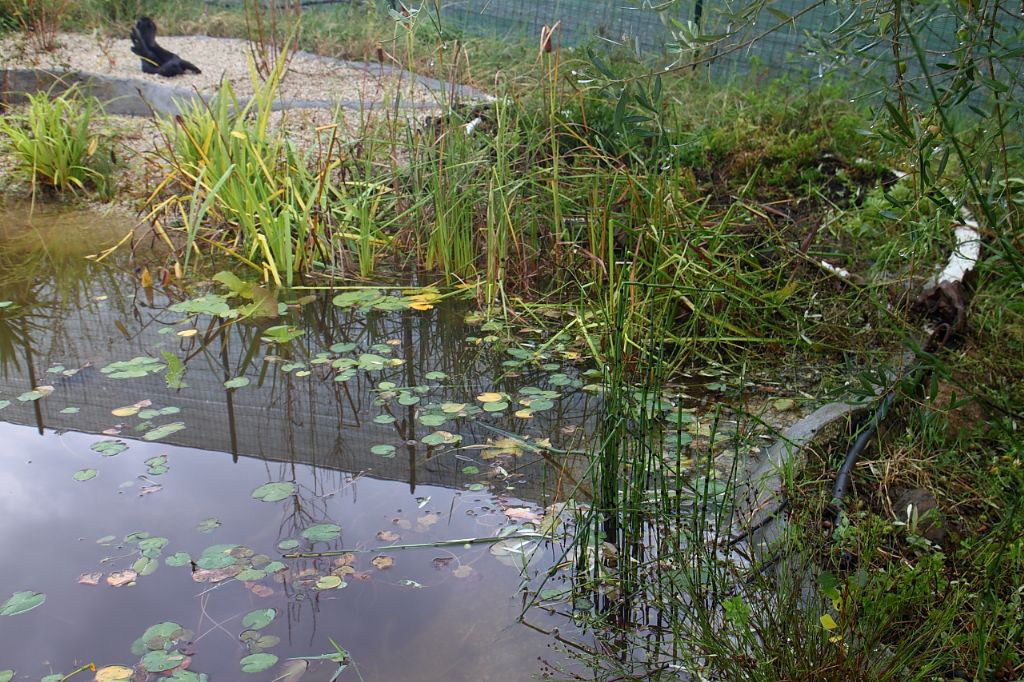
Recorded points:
(54, 144)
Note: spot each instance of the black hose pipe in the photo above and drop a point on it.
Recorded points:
(853, 454)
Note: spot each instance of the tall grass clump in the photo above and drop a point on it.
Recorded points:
(55, 145)
(266, 197)
(41, 20)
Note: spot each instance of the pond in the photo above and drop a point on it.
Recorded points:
(169, 452)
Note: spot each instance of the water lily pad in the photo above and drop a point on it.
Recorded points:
(441, 438)
(435, 376)
(384, 419)
(6, 675)
(471, 470)
(495, 406)
(163, 411)
(214, 305)
(281, 333)
(257, 663)
(383, 450)
(343, 348)
(371, 362)
(84, 474)
(258, 619)
(188, 676)
(274, 567)
(30, 396)
(329, 582)
(237, 382)
(178, 559)
(490, 397)
(322, 532)
(208, 525)
(250, 575)
(163, 431)
(159, 661)
(287, 544)
(109, 448)
(113, 673)
(432, 420)
(5, 403)
(132, 369)
(20, 602)
(274, 492)
(145, 565)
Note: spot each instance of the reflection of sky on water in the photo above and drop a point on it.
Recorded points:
(451, 628)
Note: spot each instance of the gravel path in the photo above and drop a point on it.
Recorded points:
(309, 77)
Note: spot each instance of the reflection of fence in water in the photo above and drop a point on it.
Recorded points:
(281, 417)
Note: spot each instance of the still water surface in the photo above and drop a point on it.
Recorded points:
(351, 449)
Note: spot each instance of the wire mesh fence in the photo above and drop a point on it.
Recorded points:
(802, 39)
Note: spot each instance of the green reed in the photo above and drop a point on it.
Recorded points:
(54, 142)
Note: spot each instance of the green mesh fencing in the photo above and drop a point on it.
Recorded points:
(803, 39)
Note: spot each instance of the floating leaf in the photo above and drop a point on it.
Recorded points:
(441, 438)
(258, 619)
(287, 544)
(384, 419)
(435, 376)
(281, 333)
(383, 562)
(6, 675)
(122, 578)
(113, 673)
(178, 559)
(211, 304)
(163, 411)
(257, 663)
(159, 661)
(495, 407)
(274, 492)
(251, 575)
(187, 676)
(134, 368)
(360, 297)
(432, 419)
(471, 470)
(237, 382)
(489, 397)
(163, 431)
(29, 396)
(20, 602)
(90, 578)
(84, 474)
(5, 403)
(109, 448)
(145, 566)
(371, 362)
(329, 582)
(208, 525)
(175, 371)
(322, 532)
(383, 450)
